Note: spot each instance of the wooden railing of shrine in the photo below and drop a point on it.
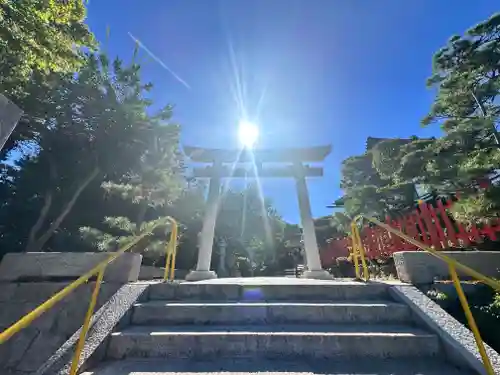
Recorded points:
(336, 248)
(430, 224)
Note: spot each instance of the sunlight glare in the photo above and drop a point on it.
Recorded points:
(248, 133)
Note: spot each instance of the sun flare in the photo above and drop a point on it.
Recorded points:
(248, 133)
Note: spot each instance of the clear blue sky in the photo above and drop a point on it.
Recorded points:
(331, 71)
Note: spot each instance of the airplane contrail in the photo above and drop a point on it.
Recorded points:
(158, 60)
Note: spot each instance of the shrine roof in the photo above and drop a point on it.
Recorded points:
(209, 155)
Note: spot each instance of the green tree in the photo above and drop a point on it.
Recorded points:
(360, 182)
(38, 38)
(370, 191)
(149, 189)
(341, 224)
(251, 226)
(95, 128)
(466, 75)
(188, 210)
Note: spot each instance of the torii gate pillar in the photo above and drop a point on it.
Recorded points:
(206, 238)
(313, 262)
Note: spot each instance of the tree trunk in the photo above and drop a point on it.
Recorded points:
(140, 217)
(41, 219)
(40, 243)
(44, 211)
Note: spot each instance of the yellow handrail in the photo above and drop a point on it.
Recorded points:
(171, 252)
(99, 270)
(358, 252)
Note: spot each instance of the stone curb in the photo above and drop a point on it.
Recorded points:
(103, 322)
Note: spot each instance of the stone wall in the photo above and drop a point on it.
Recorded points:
(28, 279)
(67, 266)
(30, 347)
(420, 267)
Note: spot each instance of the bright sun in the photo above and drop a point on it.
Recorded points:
(248, 133)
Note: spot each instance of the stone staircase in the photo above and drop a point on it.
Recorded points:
(319, 327)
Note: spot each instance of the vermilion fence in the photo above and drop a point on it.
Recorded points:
(430, 224)
(336, 248)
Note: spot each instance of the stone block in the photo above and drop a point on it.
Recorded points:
(50, 266)
(7, 291)
(139, 342)
(11, 312)
(31, 346)
(288, 366)
(267, 292)
(151, 273)
(174, 313)
(314, 292)
(194, 291)
(12, 352)
(420, 267)
(40, 349)
(32, 292)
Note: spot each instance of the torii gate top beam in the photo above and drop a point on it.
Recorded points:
(282, 172)
(286, 155)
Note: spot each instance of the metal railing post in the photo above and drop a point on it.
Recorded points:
(362, 254)
(173, 241)
(171, 250)
(355, 250)
(86, 323)
(168, 259)
(359, 252)
(471, 321)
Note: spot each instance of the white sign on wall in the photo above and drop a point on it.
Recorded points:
(9, 117)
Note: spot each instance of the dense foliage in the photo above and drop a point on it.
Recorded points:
(466, 79)
(39, 40)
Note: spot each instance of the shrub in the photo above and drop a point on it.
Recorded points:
(345, 267)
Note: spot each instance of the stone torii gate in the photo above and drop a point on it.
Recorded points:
(222, 164)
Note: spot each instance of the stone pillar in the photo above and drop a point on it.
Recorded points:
(222, 258)
(313, 261)
(202, 271)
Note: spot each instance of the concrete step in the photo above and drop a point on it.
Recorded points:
(161, 313)
(325, 291)
(276, 367)
(273, 341)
